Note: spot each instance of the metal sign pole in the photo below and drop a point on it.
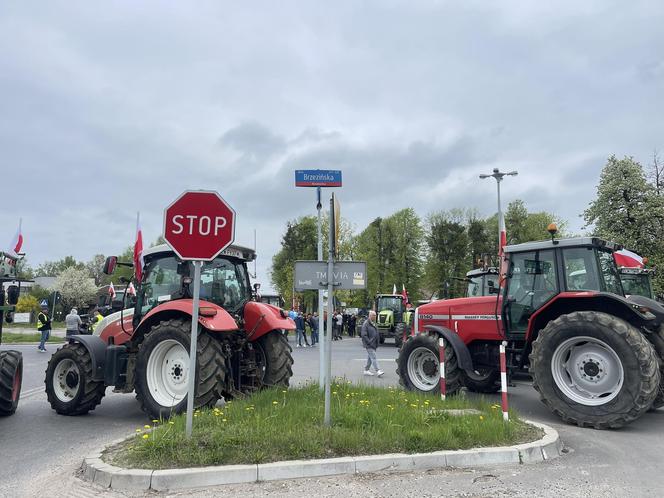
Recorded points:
(191, 380)
(321, 325)
(330, 310)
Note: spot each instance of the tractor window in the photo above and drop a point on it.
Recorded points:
(610, 273)
(532, 283)
(581, 269)
(391, 303)
(636, 284)
(160, 284)
(225, 283)
(475, 286)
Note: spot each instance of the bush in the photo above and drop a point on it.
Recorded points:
(27, 304)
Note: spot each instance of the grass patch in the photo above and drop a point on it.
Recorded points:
(278, 424)
(33, 326)
(13, 338)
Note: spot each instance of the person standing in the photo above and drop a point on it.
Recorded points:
(96, 318)
(312, 320)
(73, 322)
(43, 326)
(339, 322)
(299, 330)
(352, 322)
(369, 335)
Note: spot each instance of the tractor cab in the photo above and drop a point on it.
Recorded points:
(389, 309)
(541, 272)
(482, 282)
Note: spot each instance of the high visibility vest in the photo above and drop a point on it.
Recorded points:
(95, 322)
(41, 320)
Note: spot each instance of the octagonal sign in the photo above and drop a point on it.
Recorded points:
(198, 225)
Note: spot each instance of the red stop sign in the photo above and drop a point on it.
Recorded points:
(198, 225)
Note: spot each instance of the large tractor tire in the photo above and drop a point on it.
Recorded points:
(11, 375)
(484, 380)
(418, 366)
(594, 370)
(657, 340)
(274, 358)
(70, 388)
(399, 331)
(162, 369)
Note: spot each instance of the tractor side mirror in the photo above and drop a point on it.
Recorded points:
(183, 268)
(12, 295)
(110, 264)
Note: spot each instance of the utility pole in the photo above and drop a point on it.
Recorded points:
(321, 326)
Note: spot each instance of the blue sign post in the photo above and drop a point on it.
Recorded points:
(317, 178)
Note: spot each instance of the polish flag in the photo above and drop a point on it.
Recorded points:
(17, 242)
(404, 294)
(503, 235)
(628, 259)
(138, 250)
(394, 289)
(111, 291)
(131, 290)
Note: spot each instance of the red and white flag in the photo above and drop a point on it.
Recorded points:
(17, 242)
(131, 290)
(111, 291)
(138, 250)
(404, 294)
(394, 289)
(628, 259)
(503, 235)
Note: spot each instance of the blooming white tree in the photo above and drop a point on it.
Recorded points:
(75, 286)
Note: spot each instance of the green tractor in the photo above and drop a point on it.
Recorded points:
(391, 316)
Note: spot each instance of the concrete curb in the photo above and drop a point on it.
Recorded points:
(95, 470)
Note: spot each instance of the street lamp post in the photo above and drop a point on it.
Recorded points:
(499, 175)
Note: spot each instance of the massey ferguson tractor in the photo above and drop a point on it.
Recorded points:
(11, 362)
(241, 345)
(594, 355)
(390, 319)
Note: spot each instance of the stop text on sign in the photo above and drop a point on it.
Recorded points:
(198, 224)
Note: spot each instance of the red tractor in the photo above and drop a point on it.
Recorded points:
(11, 362)
(593, 354)
(241, 345)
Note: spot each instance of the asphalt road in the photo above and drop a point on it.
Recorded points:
(42, 450)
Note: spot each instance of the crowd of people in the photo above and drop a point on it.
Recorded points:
(306, 327)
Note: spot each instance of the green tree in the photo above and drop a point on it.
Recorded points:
(448, 255)
(76, 287)
(55, 268)
(27, 304)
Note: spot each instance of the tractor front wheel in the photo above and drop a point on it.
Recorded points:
(594, 370)
(418, 366)
(162, 369)
(11, 374)
(70, 387)
(399, 333)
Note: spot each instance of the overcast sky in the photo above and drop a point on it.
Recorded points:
(109, 108)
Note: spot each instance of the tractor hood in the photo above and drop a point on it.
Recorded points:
(385, 317)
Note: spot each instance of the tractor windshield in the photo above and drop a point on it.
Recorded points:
(475, 286)
(390, 302)
(225, 283)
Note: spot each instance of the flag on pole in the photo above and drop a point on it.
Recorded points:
(503, 235)
(17, 242)
(394, 289)
(138, 250)
(628, 259)
(131, 290)
(111, 291)
(404, 294)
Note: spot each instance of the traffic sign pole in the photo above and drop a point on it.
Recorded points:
(191, 380)
(321, 334)
(330, 309)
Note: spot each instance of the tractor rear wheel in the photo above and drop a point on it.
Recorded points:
(162, 369)
(274, 359)
(482, 380)
(11, 375)
(70, 387)
(418, 366)
(399, 332)
(594, 370)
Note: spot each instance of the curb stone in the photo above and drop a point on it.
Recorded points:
(94, 469)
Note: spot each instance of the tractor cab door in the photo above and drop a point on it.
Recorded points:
(532, 283)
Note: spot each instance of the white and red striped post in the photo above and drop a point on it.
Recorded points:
(503, 381)
(441, 356)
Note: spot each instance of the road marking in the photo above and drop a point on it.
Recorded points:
(378, 359)
(32, 392)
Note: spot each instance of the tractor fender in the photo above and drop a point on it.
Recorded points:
(221, 321)
(97, 350)
(460, 349)
(261, 318)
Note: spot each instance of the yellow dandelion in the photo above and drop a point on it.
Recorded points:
(171, 422)
(275, 402)
(284, 391)
(139, 430)
(413, 405)
(334, 392)
(155, 421)
(481, 417)
(145, 436)
(224, 420)
(216, 414)
(146, 426)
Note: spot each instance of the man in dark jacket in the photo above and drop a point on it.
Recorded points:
(369, 335)
(43, 326)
